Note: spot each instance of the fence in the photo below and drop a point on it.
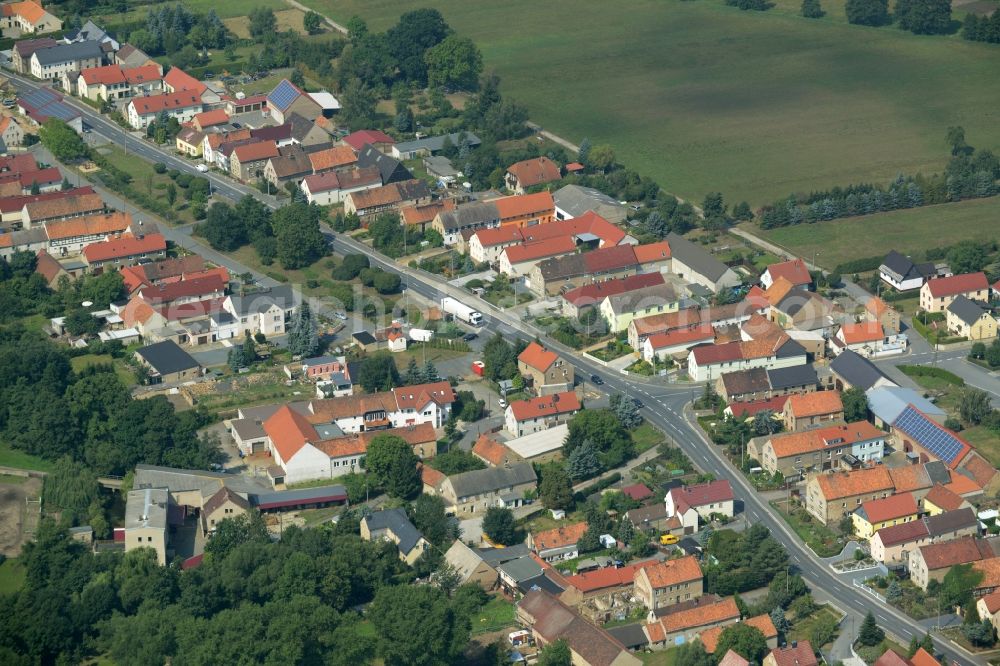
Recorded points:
(865, 588)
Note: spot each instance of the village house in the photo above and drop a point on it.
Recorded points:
(10, 132)
(375, 138)
(830, 497)
(370, 202)
(902, 274)
(762, 345)
(595, 593)
(762, 384)
(125, 250)
(703, 500)
(710, 637)
(485, 245)
(933, 561)
(676, 344)
(247, 162)
(892, 545)
(693, 264)
(618, 310)
(806, 410)
(129, 56)
(420, 214)
(687, 625)
(526, 174)
(28, 17)
(23, 50)
(794, 271)
(653, 520)
(146, 521)
(523, 417)
(267, 312)
(430, 145)
(69, 237)
(50, 209)
(224, 504)
(989, 570)
(112, 82)
(393, 525)
(669, 582)
(551, 620)
(493, 452)
(470, 566)
(851, 370)
(874, 515)
(556, 274)
(575, 201)
(526, 210)
(545, 370)
(886, 403)
(468, 217)
(940, 499)
(472, 493)
(286, 98)
(879, 311)
(865, 338)
(519, 261)
(168, 363)
(799, 653)
(190, 142)
(797, 453)
(182, 105)
(329, 188)
(290, 166)
(967, 319)
(558, 543)
(641, 328)
(937, 294)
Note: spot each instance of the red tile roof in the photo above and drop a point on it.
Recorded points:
(430, 476)
(794, 271)
(712, 354)
(596, 292)
(153, 104)
(866, 331)
(674, 572)
(491, 450)
(892, 658)
(89, 225)
(800, 655)
(326, 182)
(923, 658)
(358, 140)
(332, 158)
(179, 80)
(607, 577)
(107, 75)
(47, 266)
(701, 333)
(143, 74)
(213, 117)
(546, 405)
(424, 213)
(992, 602)
(499, 236)
(818, 439)
(558, 537)
(255, 152)
(289, 431)
(30, 11)
(637, 491)
(701, 616)
(166, 293)
(943, 498)
(890, 508)
(537, 171)
(588, 223)
(608, 259)
(703, 493)
(817, 403)
(710, 637)
(525, 206)
(551, 247)
(856, 482)
(902, 533)
(537, 357)
(957, 551)
(125, 246)
(652, 252)
(742, 410)
(419, 396)
(17, 202)
(41, 177)
(957, 284)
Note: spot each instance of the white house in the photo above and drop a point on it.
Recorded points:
(524, 417)
(327, 189)
(183, 105)
(703, 500)
(486, 245)
(266, 312)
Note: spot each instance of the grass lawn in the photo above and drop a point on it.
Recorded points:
(662, 658)
(823, 540)
(147, 181)
(494, 616)
(11, 577)
(224, 8)
(985, 441)
(646, 437)
(703, 97)
(801, 629)
(121, 369)
(911, 232)
(18, 459)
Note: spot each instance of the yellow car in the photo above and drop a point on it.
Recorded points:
(668, 539)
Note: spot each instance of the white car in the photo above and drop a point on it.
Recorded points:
(340, 315)
(202, 168)
(502, 402)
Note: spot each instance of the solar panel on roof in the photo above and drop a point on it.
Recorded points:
(932, 437)
(283, 95)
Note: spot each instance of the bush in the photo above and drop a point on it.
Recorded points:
(859, 265)
(160, 167)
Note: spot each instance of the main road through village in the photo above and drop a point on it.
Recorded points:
(666, 407)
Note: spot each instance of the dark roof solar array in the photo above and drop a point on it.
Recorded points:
(937, 440)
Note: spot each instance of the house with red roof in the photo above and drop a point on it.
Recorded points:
(329, 188)
(124, 250)
(794, 271)
(637, 492)
(546, 372)
(526, 210)
(185, 291)
(524, 417)
(247, 161)
(28, 17)
(877, 514)
(702, 500)
(937, 294)
(485, 245)
(562, 274)
(557, 543)
(520, 259)
(799, 653)
(660, 346)
(526, 174)
(183, 105)
(670, 582)
(380, 141)
(206, 119)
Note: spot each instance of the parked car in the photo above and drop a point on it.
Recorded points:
(502, 403)
(596, 379)
(469, 337)
(202, 168)
(340, 315)
(668, 539)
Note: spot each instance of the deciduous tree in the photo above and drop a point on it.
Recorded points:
(393, 466)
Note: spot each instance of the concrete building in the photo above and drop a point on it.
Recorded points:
(545, 370)
(146, 513)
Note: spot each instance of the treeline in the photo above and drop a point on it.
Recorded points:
(969, 174)
(982, 28)
(299, 606)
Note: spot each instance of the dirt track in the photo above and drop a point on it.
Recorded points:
(12, 513)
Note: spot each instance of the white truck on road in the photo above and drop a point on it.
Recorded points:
(461, 311)
(421, 334)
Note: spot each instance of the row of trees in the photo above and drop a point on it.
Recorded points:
(921, 17)
(171, 28)
(969, 174)
(982, 28)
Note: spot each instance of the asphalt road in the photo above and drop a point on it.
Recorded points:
(666, 407)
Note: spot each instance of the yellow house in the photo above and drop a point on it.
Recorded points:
(940, 500)
(873, 515)
(190, 142)
(620, 309)
(967, 319)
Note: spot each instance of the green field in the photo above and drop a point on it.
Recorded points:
(18, 459)
(12, 576)
(705, 97)
(80, 362)
(911, 232)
